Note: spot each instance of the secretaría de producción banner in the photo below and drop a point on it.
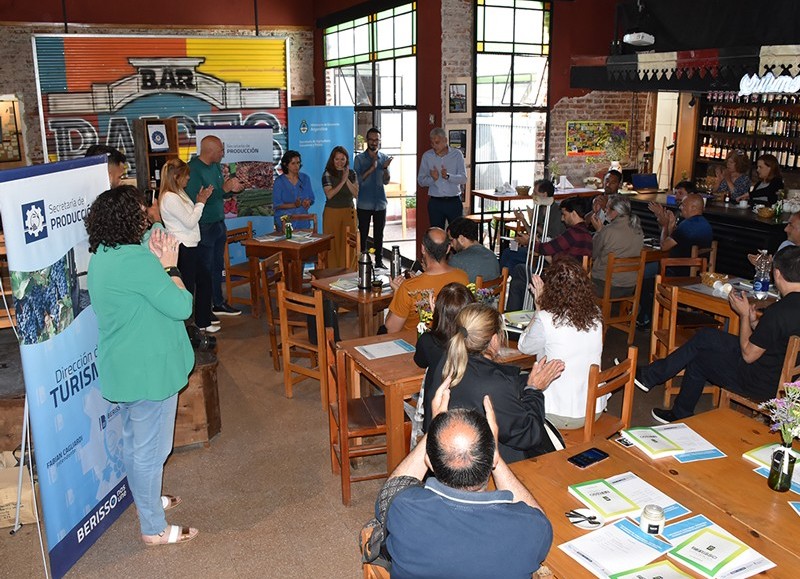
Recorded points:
(77, 434)
(314, 132)
(248, 157)
(92, 88)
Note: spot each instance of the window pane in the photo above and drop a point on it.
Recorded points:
(343, 86)
(490, 175)
(346, 43)
(493, 72)
(363, 83)
(528, 26)
(361, 40)
(493, 137)
(406, 81)
(332, 46)
(529, 136)
(384, 70)
(530, 80)
(498, 24)
(364, 122)
(384, 34)
(404, 30)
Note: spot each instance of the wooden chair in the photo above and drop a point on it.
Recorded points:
(625, 319)
(350, 419)
(370, 570)
(312, 217)
(667, 336)
(689, 317)
(237, 274)
(708, 252)
(498, 286)
(586, 263)
(790, 373)
(600, 384)
(292, 305)
(270, 272)
(352, 251)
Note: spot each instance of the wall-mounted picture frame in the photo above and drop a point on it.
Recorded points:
(459, 99)
(460, 137)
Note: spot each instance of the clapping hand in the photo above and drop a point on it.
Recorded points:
(434, 173)
(444, 172)
(306, 203)
(441, 400)
(204, 194)
(537, 287)
(388, 162)
(488, 408)
(544, 372)
(345, 174)
(596, 223)
(233, 185)
(165, 247)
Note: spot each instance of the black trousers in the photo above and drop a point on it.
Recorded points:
(378, 224)
(197, 279)
(444, 209)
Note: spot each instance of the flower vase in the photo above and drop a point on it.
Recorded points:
(780, 471)
(287, 230)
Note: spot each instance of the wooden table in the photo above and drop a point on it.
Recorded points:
(548, 477)
(294, 255)
(730, 481)
(369, 304)
(399, 378)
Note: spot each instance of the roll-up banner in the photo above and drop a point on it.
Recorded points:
(76, 432)
(313, 132)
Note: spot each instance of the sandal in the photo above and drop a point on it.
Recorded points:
(172, 535)
(170, 502)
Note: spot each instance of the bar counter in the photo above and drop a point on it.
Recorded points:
(738, 231)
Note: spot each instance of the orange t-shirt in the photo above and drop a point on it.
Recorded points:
(404, 302)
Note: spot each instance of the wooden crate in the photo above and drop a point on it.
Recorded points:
(199, 419)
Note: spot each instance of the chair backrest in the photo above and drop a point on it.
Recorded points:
(332, 355)
(708, 252)
(791, 365)
(312, 217)
(607, 382)
(236, 235)
(352, 247)
(644, 181)
(696, 265)
(586, 263)
(617, 265)
(497, 285)
(665, 315)
(270, 272)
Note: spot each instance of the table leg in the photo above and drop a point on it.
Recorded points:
(395, 431)
(365, 320)
(256, 309)
(483, 211)
(296, 275)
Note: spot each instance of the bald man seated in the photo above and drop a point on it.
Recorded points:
(451, 525)
(677, 238)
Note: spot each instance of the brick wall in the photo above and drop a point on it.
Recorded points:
(19, 79)
(457, 44)
(635, 108)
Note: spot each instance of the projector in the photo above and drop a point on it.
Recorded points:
(639, 39)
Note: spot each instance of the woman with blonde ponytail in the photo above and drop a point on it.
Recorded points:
(181, 217)
(517, 398)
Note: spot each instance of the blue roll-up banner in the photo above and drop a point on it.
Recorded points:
(313, 132)
(76, 432)
(248, 156)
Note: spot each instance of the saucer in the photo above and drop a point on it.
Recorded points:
(586, 525)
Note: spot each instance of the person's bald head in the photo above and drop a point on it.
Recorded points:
(692, 205)
(460, 449)
(211, 149)
(435, 244)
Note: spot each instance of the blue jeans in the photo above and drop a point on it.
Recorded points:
(212, 254)
(709, 356)
(148, 427)
(443, 210)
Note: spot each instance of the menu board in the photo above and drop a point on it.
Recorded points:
(587, 138)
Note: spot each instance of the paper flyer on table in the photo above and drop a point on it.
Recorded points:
(652, 442)
(795, 488)
(795, 506)
(604, 499)
(643, 493)
(658, 570)
(385, 349)
(673, 532)
(695, 447)
(762, 455)
(615, 548)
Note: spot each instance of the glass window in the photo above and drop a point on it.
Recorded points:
(371, 64)
(511, 63)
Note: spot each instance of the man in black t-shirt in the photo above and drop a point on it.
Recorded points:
(749, 364)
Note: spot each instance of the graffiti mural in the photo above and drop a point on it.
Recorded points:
(92, 88)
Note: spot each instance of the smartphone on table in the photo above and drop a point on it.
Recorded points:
(588, 457)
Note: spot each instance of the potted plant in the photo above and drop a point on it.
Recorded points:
(785, 416)
(411, 211)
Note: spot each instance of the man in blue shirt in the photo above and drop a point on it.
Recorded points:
(452, 526)
(443, 172)
(372, 170)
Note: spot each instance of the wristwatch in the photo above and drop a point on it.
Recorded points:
(447, 177)
(173, 271)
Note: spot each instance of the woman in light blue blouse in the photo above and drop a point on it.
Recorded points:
(292, 193)
(735, 177)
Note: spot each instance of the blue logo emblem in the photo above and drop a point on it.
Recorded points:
(34, 220)
(303, 127)
(158, 137)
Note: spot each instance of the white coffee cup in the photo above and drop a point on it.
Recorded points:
(743, 203)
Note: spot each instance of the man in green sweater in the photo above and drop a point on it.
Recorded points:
(206, 170)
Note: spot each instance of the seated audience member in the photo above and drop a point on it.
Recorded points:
(117, 162)
(451, 525)
(749, 364)
(470, 255)
(473, 374)
(567, 326)
(436, 274)
(576, 241)
(792, 230)
(681, 190)
(612, 182)
(432, 345)
(624, 238)
(735, 177)
(768, 171)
